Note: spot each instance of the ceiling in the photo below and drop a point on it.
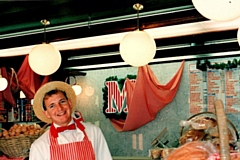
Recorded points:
(73, 19)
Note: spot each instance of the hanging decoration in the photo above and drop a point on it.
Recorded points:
(145, 97)
(29, 81)
(13, 82)
(203, 65)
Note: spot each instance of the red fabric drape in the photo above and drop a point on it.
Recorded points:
(6, 95)
(29, 81)
(13, 81)
(146, 98)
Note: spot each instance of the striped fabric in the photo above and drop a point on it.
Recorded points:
(72, 151)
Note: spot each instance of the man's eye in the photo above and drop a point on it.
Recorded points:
(51, 106)
(63, 101)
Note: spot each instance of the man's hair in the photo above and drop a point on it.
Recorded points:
(50, 93)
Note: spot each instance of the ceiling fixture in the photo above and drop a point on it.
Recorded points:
(3, 82)
(76, 87)
(137, 48)
(218, 10)
(44, 59)
(112, 39)
(238, 36)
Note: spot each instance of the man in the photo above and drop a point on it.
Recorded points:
(54, 103)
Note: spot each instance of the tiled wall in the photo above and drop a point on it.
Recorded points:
(120, 143)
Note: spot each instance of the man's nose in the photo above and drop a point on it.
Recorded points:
(59, 106)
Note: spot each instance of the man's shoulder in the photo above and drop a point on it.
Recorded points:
(44, 138)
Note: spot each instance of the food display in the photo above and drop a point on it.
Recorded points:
(199, 139)
(16, 142)
(21, 130)
(203, 127)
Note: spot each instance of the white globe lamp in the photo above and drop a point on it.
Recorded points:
(77, 89)
(3, 83)
(238, 35)
(137, 48)
(218, 10)
(44, 59)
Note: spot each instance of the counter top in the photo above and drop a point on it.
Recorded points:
(130, 158)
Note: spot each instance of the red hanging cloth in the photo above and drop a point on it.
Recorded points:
(29, 81)
(13, 81)
(6, 95)
(146, 98)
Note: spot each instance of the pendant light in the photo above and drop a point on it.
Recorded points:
(137, 48)
(76, 87)
(3, 82)
(238, 36)
(218, 10)
(44, 59)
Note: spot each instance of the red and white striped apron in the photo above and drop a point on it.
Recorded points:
(71, 151)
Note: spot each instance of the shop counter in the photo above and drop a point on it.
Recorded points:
(130, 158)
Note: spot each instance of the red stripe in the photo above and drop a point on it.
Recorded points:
(72, 151)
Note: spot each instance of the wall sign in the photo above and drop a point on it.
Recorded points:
(115, 97)
(213, 80)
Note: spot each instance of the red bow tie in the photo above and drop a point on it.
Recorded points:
(70, 127)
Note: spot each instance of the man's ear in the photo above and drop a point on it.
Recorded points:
(46, 114)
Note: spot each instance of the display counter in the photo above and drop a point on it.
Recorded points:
(130, 158)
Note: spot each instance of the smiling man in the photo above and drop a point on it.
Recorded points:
(68, 138)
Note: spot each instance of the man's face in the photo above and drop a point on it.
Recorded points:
(58, 108)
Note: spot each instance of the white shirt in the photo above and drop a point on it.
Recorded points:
(40, 149)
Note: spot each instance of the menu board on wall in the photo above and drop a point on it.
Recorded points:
(196, 90)
(214, 88)
(232, 91)
(207, 86)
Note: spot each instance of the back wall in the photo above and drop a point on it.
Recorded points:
(138, 142)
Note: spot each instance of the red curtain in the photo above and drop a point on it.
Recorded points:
(29, 81)
(146, 98)
(13, 81)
